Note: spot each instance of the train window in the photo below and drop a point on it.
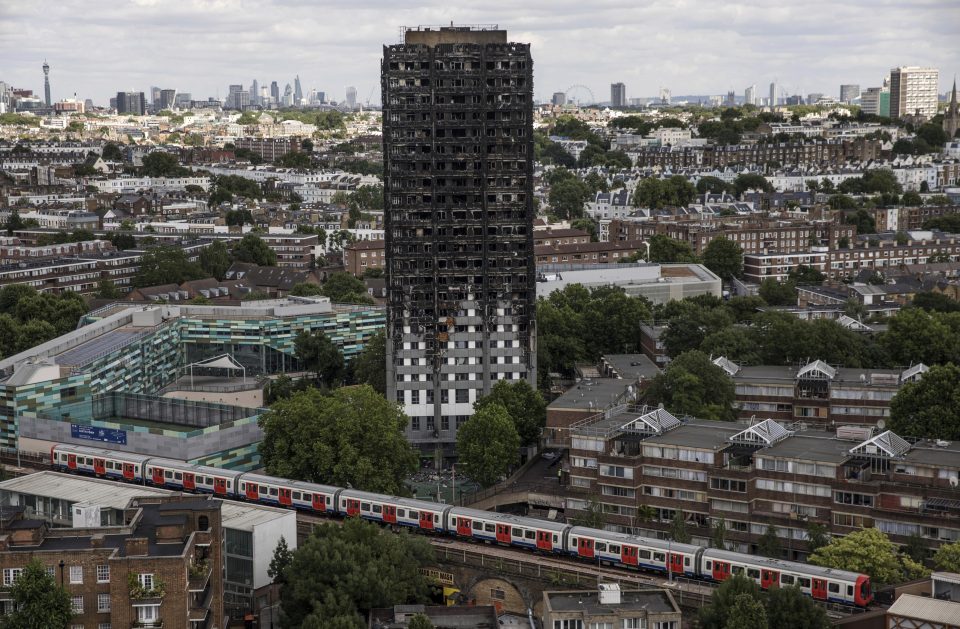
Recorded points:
(600, 547)
(297, 496)
(517, 533)
(453, 521)
(478, 526)
(614, 549)
(686, 561)
(529, 535)
(489, 528)
(708, 565)
(263, 490)
(168, 474)
(243, 486)
(402, 513)
(786, 579)
(849, 590)
(89, 461)
(753, 573)
(834, 587)
(413, 515)
(737, 570)
(365, 506)
(377, 509)
(436, 518)
(659, 557)
(644, 554)
(178, 476)
(573, 541)
(803, 582)
(273, 491)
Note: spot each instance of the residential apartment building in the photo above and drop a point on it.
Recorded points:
(550, 236)
(814, 153)
(608, 607)
(269, 149)
(589, 252)
(362, 255)
(752, 476)
(458, 160)
(162, 568)
(914, 92)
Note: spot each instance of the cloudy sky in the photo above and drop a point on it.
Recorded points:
(97, 47)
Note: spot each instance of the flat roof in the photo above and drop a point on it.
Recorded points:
(810, 447)
(701, 434)
(593, 393)
(588, 602)
(929, 454)
(632, 366)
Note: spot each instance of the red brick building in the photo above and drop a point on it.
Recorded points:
(362, 255)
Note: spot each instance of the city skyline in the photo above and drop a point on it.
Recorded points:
(202, 46)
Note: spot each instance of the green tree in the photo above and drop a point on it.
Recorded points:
(916, 548)
(294, 159)
(123, 241)
(238, 218)
(929, 407)
(282, 556)
(871, 552)
(935, 302)
(664, 249)
(751, 181)
(769, 543)
(256, 295)
(592, 516)
(166, 264)
(911, 199)
(747, 613)
(718, 612)
(718, 535)
(162, 164)
(524, 404)
(306, 289)
(370, 366)
(778, 293)
(692, 385)
(215, 260)
(317, 353)
(344, 288)
(488, 444)
(915, 335)
(340, 573)
(106, 289)
(678, 528)
(349, 437)
(38, 601)
(111, 152)
(790, 607)
(863, 220)
(254, 250)
(817, 536)
(587, 225)
(713, 185)
(724, 257)
(805, 275)
(947, 557)
(568, 196)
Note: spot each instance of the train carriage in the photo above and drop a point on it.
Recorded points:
(183, 476)
(418, 514)
(633, 551)
(125, 466)
(507, 529)
(287, 493)
(824, 584)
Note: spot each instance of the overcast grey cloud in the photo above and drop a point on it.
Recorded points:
(96, 48)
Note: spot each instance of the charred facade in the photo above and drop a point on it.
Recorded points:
(458, 165)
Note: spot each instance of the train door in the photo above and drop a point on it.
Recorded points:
(253, 492)
(390, 514)
(503, 533)
(769, 579)
(721, 570)
(544, 540)
(157, 476)
(464, 526)
(319, 502)
(72, 461)
(128, 472)
(284, 497)
(426, 520)
(676, 563)
(585, 547)
(99, 467)
(220, 486)
(353, 507)
(189, 481)
(628, 555)
(818, 589)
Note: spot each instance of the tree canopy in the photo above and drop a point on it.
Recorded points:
(675, 191)
(568, 194)
(665, 250)
(524, 404)
(282, 556)
(344, 288)
(947, 557)
(254, 250)
(317, 353)
(349, 437)
(215, 260)
(692, 385)
(871, 552)
(370, 366)
(340, 573)
(929, 407)
(166, 264)
(738, 602)
(724, 257)
(38, 600)
(488, 444)
(162, 164)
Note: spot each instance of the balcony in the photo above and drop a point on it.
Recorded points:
(151, 624)
(199, 576)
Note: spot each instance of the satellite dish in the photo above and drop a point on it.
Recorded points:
(881, 424)
(954, 481)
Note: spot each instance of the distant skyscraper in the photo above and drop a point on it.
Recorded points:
(750, 95)
(297, 91)
(155, 96)
(287, 96)
(460, 278)
(351, 97)
(46, 83)
(731, 99)
(913, 91)
(183, 99)
(618, 95)
(275, 92)
(321, 97)
(774, 95)
(133, 103)
(255, 93)
(813, 97)
(849, 93)
(559, 99)
(167, 99)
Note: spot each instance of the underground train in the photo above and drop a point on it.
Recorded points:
(545, 536)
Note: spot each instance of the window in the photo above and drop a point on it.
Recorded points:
(148, 614)
(103, 602)
(634, 623)
(10, 575)
(103, 574)
(786, 579)
(568, 624)
(76, 604)
(834, 588)
(146, 580)
(76, 574)
(498, 594)
(103, 625)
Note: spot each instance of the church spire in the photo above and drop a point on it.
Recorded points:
(951, 120)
